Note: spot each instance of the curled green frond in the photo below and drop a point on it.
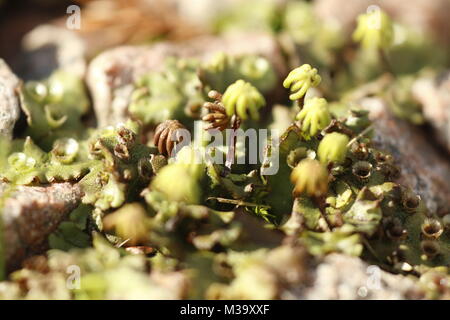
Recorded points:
(314, 116)
(122, 167)
(300, 80)
(243, 99)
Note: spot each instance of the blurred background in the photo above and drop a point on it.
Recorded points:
(39, 36)
(109, 23)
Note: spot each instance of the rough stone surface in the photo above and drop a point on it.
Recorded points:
(30, 214)
(47, 48)
(111, 75)
(349, 278)
(423, 167)
(434, 95)
(422, 15)
(9, 102)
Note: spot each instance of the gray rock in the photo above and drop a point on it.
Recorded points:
(433, 93)
(47, 48)
(423, 167)
(30, 214)
(349, 278)
(9, 101)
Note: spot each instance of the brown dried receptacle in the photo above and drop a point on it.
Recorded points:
(166, 136)
(217, 116)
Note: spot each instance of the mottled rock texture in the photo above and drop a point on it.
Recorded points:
(423, 167)
(348, 278)
(31, 213)
(433, 93)
(9, 101)
(48, 48)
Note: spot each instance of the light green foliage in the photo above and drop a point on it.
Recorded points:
(181, 181)
(177, 88)
(342, 240)
(182, 85)
(177, 183)
(54, 107)
(239, 187)
(258, 274)
(222, 70)
(365, 214)
(106, 273)
(300, 22)
(130, 223)
(32, 165)
(71, 234)
(357, 120)
(123, 166)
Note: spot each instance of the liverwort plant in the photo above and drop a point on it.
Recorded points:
(375, 31)
(240, 100)
(310, 178)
